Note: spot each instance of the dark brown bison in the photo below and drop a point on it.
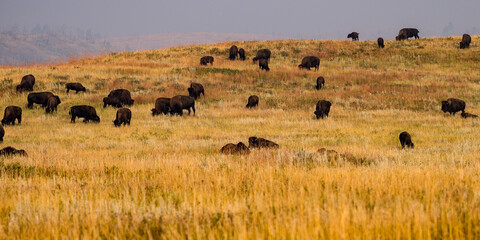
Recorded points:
(468, 115)
(122, 95)
(406, 140)
(112, 101)
(88, 113)
(162, 106)
(353, 36)
(180, 102)
(254, 142)
(262, 54)
(466, 40)
(263, 64)
(195, 90)
(380, 42)
(2, 133)
(320, 83)
(52, 104)
(322, 109)
(11, 114)
(406, 33)
(26, 84)
(38, 98)
(239, 148)
(206, 59)
(233, 52)
(252, 101)
(453, 105)
(241, 54)
(124, 115)
(77, 87)
(10, 151)
(309, 62)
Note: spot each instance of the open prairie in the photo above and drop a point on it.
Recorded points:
(163, 176)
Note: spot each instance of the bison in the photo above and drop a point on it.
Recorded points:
(88, 113)
(233, 52)
(52, 104)
(453, 105)
(254, 142)
(322, 109)
(406, 140)
(162, 106)
(112, 101)
(468, 115)
(11, 114)
(406, 33)
(353, 36)
(320, 83)
(77, 87)
(263, 64)
(380, 43)
(38, 98)
(466, 40)
(124, 115)
(241, 54)
(252, 101)
(2, 133)
(195, 90)
(239, 148)
(206, 59)
(122, 95)
(26, 84)
(309, 62)
(262, 54)
(180, 102)
(9, 151)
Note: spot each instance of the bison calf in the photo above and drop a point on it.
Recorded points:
(180, 102)
(320, 83)
(77, 87)
(254, 142)
(124, 115)
(353, 36)
(322, 109)
(195, 90)
(380, 42)
(206, 59)
(468, 115)
(12, 113)
(252, 101)
(453, 105)
(239, 148)
(241, 54)
(9, 151)
(88, 113)
(310, 61)
(406, 140)
(52, 104)
(162, 106)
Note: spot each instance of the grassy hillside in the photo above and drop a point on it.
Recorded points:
(163, 177)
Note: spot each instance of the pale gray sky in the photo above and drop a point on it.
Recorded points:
(317, 19)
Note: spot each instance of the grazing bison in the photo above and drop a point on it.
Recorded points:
(322, 109)
(320, 83)
(254, 142)
(468, 115)
(406, 33)
(380, 42)
(453, 105)
(11, 114)
(77, 87)
(26, 84)
(112, 101)
(38, 98)
(262, 54)
(2, 133)
(406, 140)
(52, 104)
(122, 95)
(252, 101)
(233, 52)
(180, 102)
(9, 151)
(124, 115)
(206, 59)
(239, 148)
(195, 90)
(241, 54)
(88, 113)
(263, 64)
(162, 106)
(466, 40)
(309, 62)
(353, 36)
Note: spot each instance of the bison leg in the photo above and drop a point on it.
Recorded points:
(30, 105)
(19, 119)
(73, 119)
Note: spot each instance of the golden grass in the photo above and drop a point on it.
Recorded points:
(163, 177)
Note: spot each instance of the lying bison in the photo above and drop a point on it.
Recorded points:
(254, 142)
(162, 106)
(262, 54)
(88, 113)
(406, 33)
(112, 101)
(241, 54)
(206, 59)
(10, 151)
(468, 115)
(453, 105)
(124, 115)
(26, 84)
(466, 40)
(310, 61)
(322, 109)
(353, 36)
(122, 95)
(38, 98)
(180, 102)
(263, 64)
(11, 114)
(195, 90)
(239, 148)
(52, 104)
(252, 101)
(406, 140)
(77, 87)
(233, 52)
(320, 83)
(380, 43)
(2, 133)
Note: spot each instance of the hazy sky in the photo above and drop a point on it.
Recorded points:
(318, 19)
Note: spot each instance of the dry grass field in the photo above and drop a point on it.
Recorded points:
(163, 176)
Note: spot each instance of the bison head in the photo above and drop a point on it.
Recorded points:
(116, 123)
(252, 141)
(58, 99)
(154, 112)
(319, 114)
(130, 102)
(445, 106)
(462, 45)
(96, 119)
